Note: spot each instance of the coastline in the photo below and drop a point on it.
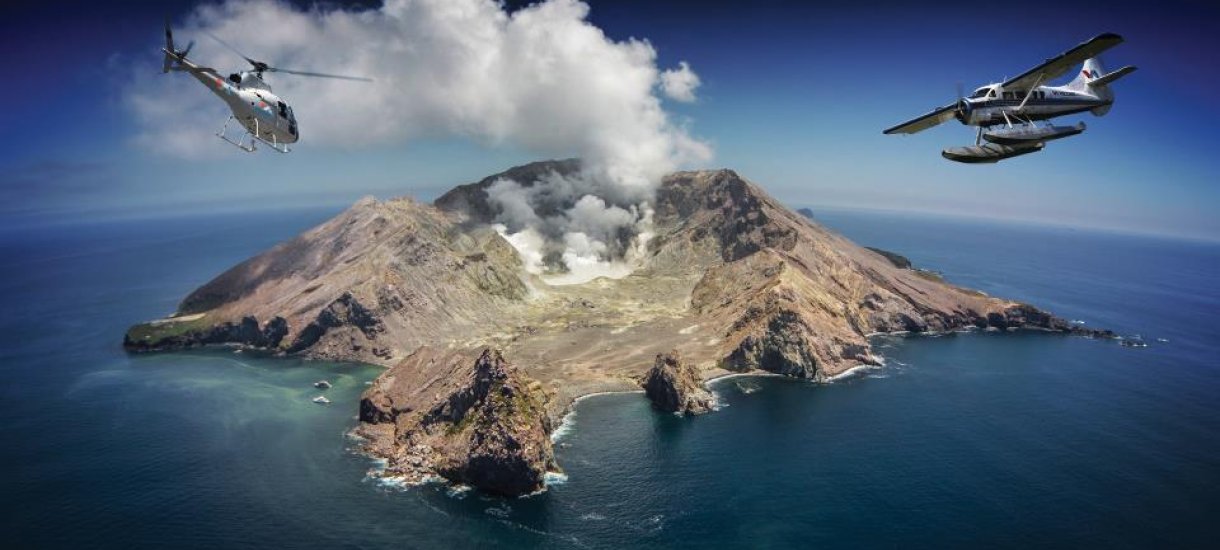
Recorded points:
(849, 373)
(565, 424)
(731, 375)
(565, 418)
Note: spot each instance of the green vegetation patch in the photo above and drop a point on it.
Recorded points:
(899, 261)
(156, 331)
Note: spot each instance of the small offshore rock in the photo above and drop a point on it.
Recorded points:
(673, 386)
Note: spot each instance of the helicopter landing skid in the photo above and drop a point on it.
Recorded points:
(248, 146)
(240, 143)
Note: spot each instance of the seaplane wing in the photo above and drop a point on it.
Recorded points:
(919, 124)
(1057, 66)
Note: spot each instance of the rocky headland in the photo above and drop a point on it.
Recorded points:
(473, 420)
(731, 282)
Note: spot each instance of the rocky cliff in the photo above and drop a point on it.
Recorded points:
(732, 281)
(476, 421)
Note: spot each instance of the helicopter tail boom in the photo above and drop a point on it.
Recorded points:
(170, 63)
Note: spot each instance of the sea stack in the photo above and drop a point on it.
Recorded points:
(673, 386)
(477, 422)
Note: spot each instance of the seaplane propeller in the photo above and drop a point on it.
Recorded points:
(962, 109)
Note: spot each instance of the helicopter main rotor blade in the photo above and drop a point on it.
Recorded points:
(260, 66)
(256, 64)
(323, 75)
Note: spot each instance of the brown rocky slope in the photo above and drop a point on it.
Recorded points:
(733, 281)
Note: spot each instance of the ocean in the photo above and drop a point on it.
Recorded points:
(968, 440)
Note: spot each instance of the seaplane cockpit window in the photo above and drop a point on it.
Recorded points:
(978, 93)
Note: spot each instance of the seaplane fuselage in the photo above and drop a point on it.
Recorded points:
(988, 105)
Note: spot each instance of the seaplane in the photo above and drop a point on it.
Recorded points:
(1007, 113)
(262, 115)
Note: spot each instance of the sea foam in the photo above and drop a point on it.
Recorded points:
(554, 478)
(566, 426)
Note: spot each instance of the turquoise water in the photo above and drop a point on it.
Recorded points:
(1003, 440)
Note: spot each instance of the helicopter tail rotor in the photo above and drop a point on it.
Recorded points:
(169, 48)
(173, 56)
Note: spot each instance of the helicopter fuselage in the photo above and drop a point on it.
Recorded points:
(260, 111)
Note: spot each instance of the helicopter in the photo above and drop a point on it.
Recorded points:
(262, 115)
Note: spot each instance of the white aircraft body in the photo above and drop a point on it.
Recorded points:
(1006, 112)
(263, 115)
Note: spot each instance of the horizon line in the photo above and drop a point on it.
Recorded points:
(187, 211)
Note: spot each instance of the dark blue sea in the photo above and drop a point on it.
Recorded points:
(972, 440)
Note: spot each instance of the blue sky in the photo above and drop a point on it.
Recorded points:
(794, 97)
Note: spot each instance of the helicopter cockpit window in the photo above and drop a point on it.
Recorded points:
(283, 110)
(235, 78)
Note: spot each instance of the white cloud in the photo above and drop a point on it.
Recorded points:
(679, 84)
(541, 79)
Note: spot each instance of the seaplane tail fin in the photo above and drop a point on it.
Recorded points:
(1091, 70)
